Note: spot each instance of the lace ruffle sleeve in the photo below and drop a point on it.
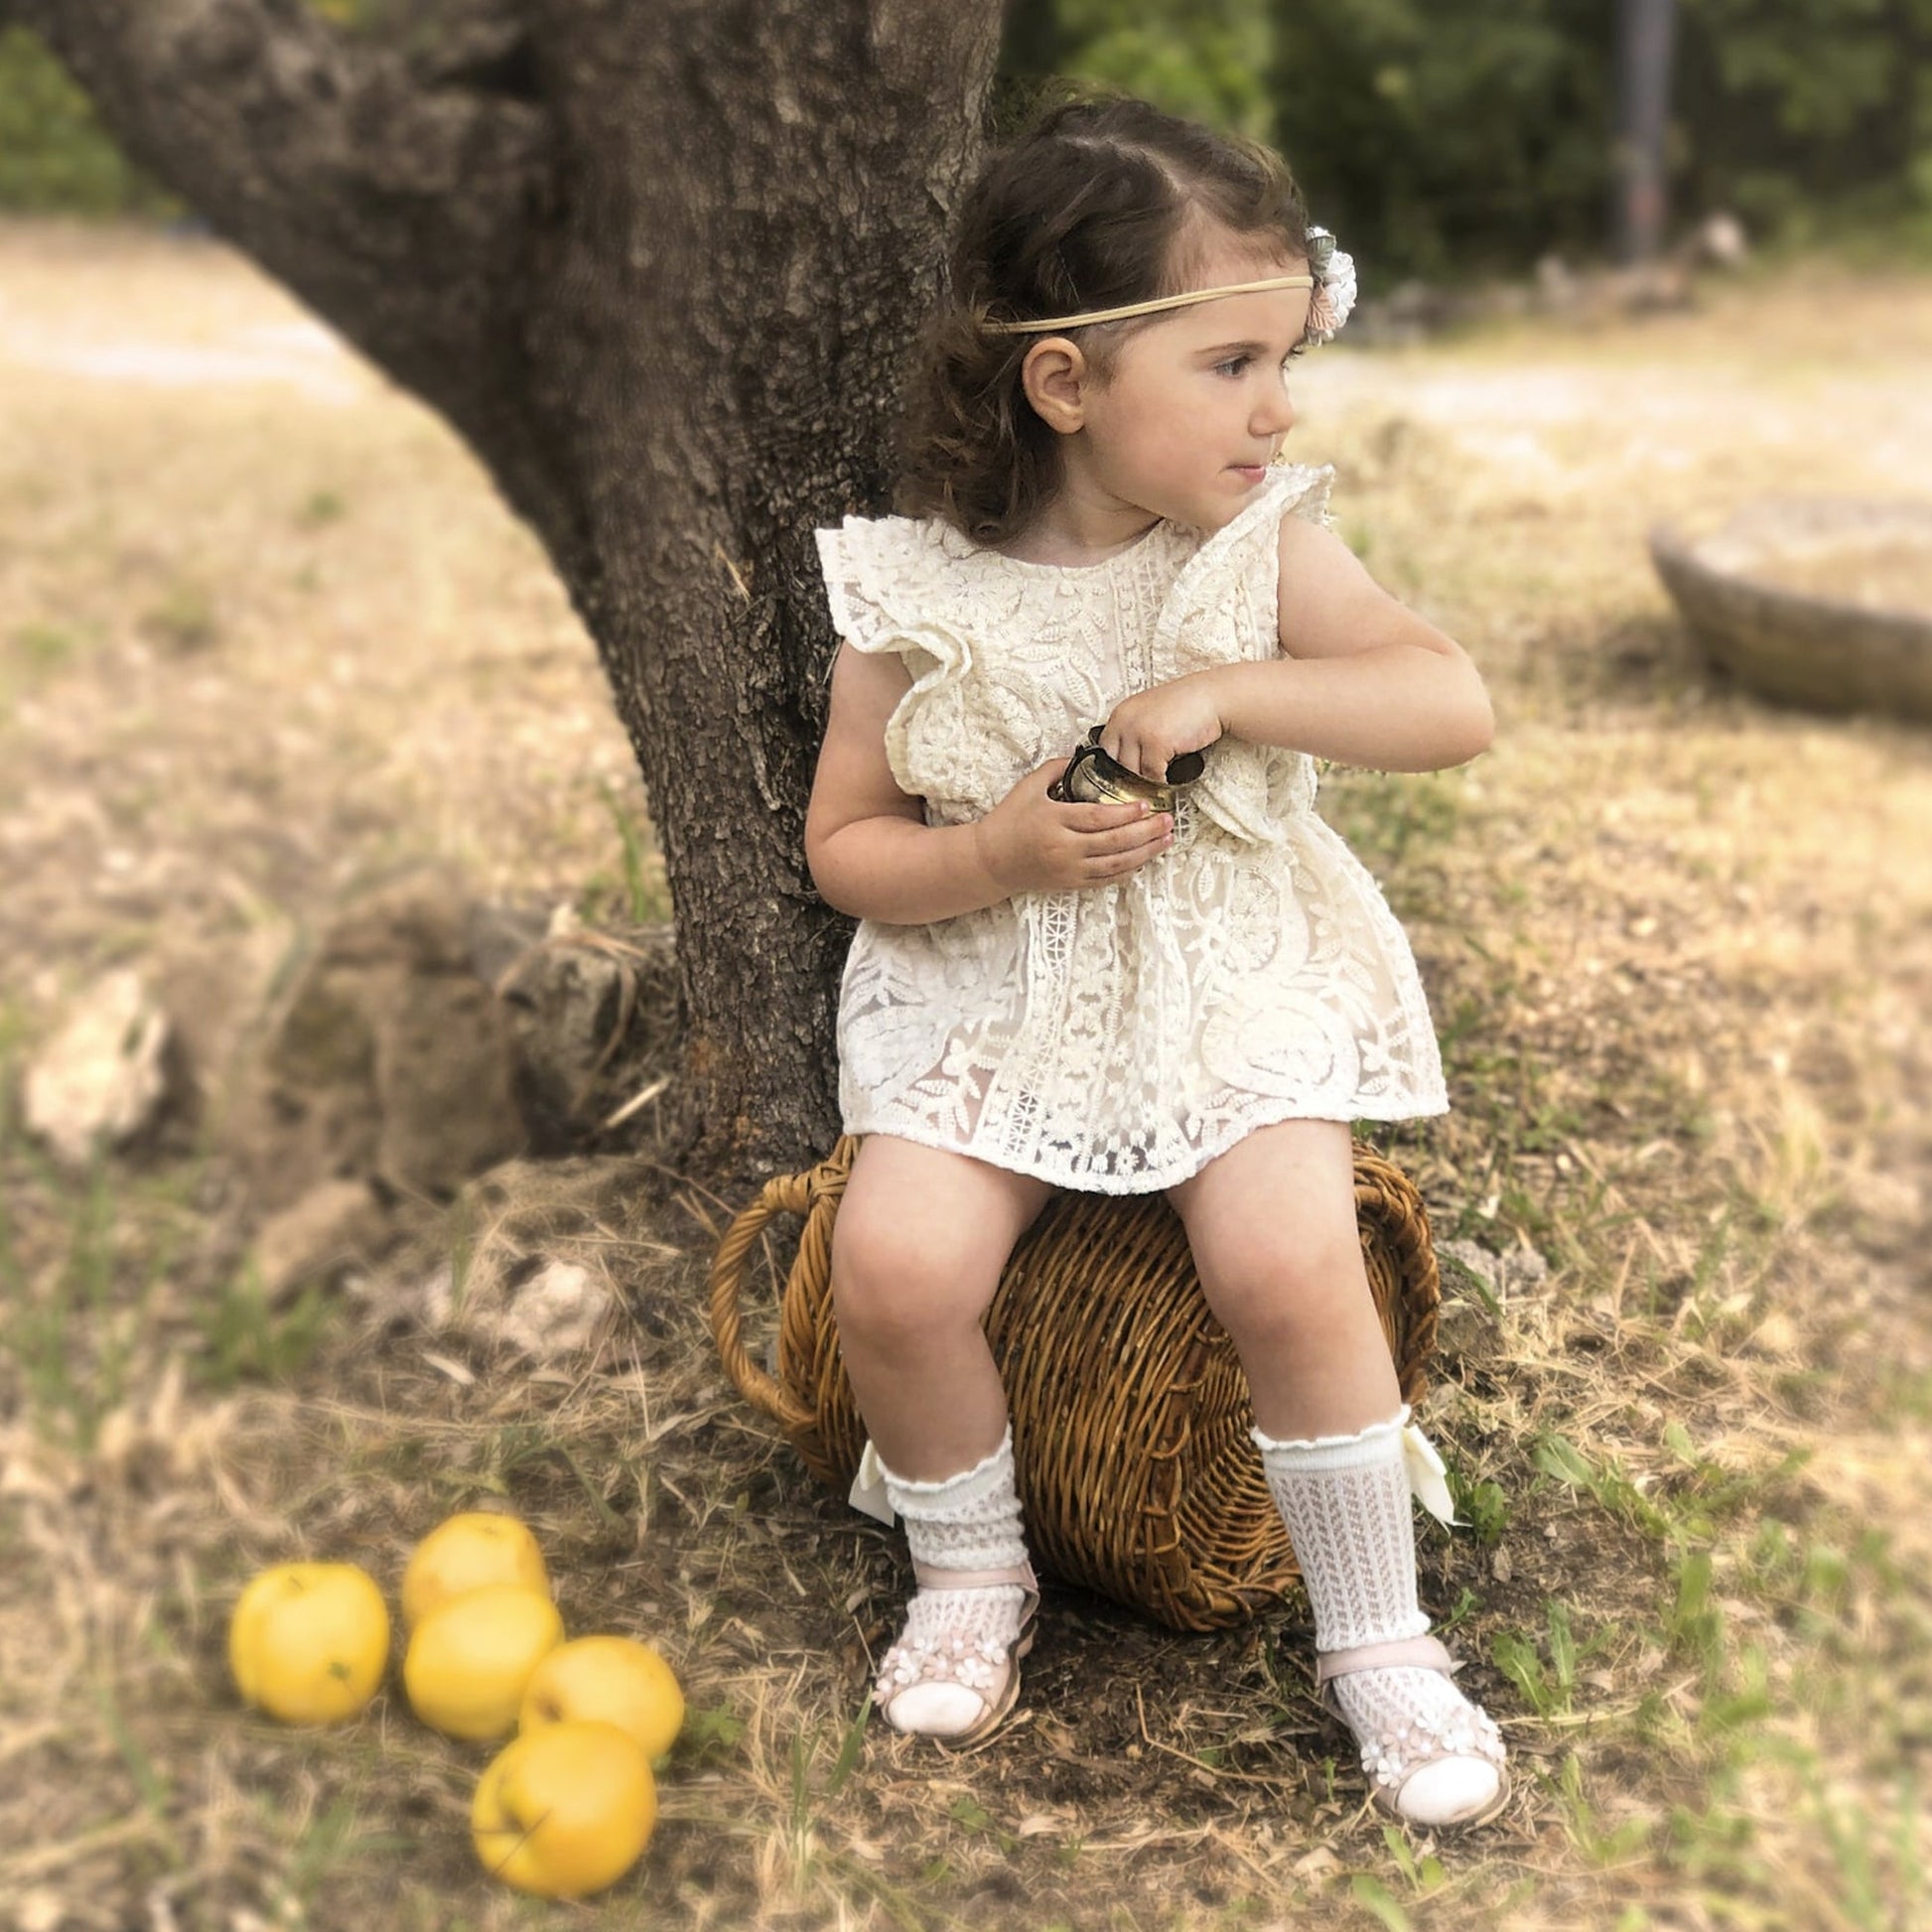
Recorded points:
(892, 588)
(867, 564)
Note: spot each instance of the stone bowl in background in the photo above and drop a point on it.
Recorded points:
(1824, 603)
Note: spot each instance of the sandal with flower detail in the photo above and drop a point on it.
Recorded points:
(979, 1664)
(1392, 1757)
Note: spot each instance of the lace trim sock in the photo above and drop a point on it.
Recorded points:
(1345, 1501)
(937, 1679)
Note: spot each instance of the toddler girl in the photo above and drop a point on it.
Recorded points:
(1046, 994)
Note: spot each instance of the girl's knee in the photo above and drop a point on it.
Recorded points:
(1283, 1289)
(894, 1281)
(1281, 1261)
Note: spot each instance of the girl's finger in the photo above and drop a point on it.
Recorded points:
(1151, 832)
(1129, 848)
(1107, 818)
(1120, 864)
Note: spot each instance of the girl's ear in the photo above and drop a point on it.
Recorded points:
(1055, 376)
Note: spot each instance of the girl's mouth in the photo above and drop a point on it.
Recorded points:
(1250, 472)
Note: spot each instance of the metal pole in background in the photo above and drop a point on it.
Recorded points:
(1645, 30)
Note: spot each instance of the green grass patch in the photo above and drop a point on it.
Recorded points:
(183, 617)
(247, 1336)
(320, 509)
(637, 891)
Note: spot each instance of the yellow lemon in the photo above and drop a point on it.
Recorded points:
(468, 1551)
(616, 1679)
(308, 1641)
(565, 1810)
(468, 1663)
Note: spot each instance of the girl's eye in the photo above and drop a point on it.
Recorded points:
(1237, 365)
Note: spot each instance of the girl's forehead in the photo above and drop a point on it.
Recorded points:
(1217, 259)
(1263, 315)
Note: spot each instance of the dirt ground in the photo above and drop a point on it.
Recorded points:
(267, 638)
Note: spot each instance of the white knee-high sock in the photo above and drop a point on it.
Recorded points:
(1345, 1502)
(968, 1521)
(1349, 1515)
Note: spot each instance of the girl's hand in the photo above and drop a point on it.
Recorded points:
(1031, 842)
(1152, 728)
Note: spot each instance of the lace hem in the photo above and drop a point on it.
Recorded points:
(1078, 1178)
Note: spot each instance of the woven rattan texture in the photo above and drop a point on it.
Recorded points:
(1130, 1411)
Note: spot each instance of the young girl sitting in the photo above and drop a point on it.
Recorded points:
(1044, 994)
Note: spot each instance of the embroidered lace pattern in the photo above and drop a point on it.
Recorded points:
(1117, 1038)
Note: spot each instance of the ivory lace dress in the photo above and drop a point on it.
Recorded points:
(1116, 1038)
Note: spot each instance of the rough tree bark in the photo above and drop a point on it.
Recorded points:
(655, 261)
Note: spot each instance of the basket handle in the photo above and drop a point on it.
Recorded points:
(791, 1194)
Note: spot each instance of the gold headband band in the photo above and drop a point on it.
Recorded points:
(1150, 308)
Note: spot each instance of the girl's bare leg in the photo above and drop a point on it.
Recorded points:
(917, 1247)
(1272, 1225)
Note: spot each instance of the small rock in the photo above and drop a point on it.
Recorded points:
(1524, 1268)
(330, 1228)
(40, 1910)
(591, 1015)
(508, 1270)
(1504, 1274)
(432, 1300)
(1719, 241)
(540, 1309)
(557, 1311)
(103, 1077)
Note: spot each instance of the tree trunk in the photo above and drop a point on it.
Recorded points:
(1645, 30)
(659, 265)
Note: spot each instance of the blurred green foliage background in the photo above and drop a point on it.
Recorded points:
(1439, 136)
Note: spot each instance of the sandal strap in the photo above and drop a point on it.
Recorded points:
(1021, 1573)
(1426, 1653)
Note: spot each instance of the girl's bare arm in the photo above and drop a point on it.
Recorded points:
(1363, 679)
(872, 854)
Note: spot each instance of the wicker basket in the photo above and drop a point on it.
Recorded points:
(1130, 1411)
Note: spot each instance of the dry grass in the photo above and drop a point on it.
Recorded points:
(262, 636)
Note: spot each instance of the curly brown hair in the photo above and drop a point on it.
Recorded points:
(1103, 201)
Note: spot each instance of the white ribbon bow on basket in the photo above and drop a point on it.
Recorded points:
(1428, 1476)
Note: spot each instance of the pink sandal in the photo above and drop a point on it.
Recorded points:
(988, 1669)
(1391, 1759)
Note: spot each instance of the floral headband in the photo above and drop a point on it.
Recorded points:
(1331, 276)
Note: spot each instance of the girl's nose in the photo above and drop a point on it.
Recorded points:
(1274, 415)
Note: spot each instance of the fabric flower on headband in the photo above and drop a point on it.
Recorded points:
(1334, 288)
(1331, 274)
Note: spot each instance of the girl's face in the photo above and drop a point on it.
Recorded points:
(1194, 409)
